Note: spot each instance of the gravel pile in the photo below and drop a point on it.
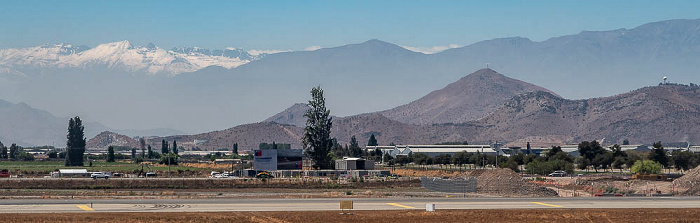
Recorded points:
(506, 182)
(691, 181)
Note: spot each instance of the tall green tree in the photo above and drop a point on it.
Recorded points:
(150, 152)
(589, 151)
(235, 148)
(658, 154)
(553, 151)
(14, 150)
(354, 148)
(317, 133)
(110, 155)
(75, 145)
(175, 147)
(133, 153)
(142, 145)
(164, 147)
(372, 141)
(682, 159)
(3, 151)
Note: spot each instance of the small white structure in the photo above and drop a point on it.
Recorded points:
(70, 173)
(429, 207)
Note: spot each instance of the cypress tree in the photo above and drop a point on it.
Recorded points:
(150, 152)
(142, 144)
(317, 133)
(164, 147)
(13, 151)
(75, 145)
(110, 155)
(3, 151)
(175, 147)
(372, 141)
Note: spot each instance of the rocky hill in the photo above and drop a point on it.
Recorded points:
(106, 139)
(669, 113)
(291, 116)
(248, 136)
(470, 98)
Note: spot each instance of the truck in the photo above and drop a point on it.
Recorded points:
(4, 173)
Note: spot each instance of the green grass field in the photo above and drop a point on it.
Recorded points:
(49, 166)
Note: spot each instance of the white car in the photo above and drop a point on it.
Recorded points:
(96, 175)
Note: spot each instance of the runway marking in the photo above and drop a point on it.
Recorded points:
(545, 204)
(398, 205)
(85, 207)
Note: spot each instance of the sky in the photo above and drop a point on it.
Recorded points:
(426, 26)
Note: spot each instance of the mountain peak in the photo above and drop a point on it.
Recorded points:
(293, 115)
(467, 99)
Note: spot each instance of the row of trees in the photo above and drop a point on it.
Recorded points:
(593, 155)
(15, 152)
(354, 149)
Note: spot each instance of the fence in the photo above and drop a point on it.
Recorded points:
(449, 185)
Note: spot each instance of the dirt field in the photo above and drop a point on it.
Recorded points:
(207, 183)
(536, 215)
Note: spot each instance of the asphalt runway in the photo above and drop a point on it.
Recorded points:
(326, 204)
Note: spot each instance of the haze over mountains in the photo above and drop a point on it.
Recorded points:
(27, 126)
(141, 87)
(669, 113)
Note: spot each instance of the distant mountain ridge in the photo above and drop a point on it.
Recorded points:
(359, 78)
(148, 59)
(28, 126)
(470, 98)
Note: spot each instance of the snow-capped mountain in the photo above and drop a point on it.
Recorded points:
(122, 55)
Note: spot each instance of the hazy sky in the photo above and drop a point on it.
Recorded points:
(297, 25)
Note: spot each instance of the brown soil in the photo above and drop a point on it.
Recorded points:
(519, 215)
(176, 183)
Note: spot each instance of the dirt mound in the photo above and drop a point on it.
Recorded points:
(691, 181)
(506, 182)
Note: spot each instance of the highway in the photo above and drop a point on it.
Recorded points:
(328, 204)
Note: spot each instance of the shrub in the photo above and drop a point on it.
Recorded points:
(646, 167)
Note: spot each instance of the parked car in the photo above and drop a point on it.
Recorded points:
(558, 173)
(264, 175)
(96, 175)
(394, 176)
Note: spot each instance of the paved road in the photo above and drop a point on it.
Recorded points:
(215, 205)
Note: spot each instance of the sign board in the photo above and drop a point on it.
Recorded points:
(345, 205)
(265, 159)
(430, 207)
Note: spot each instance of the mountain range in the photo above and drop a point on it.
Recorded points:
(667, 112)
(198, 90)
(122, 55)
(28, 126)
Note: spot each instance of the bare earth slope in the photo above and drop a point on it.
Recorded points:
(668, 113)
(470, 98)
(291, 116)
(107, 138)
